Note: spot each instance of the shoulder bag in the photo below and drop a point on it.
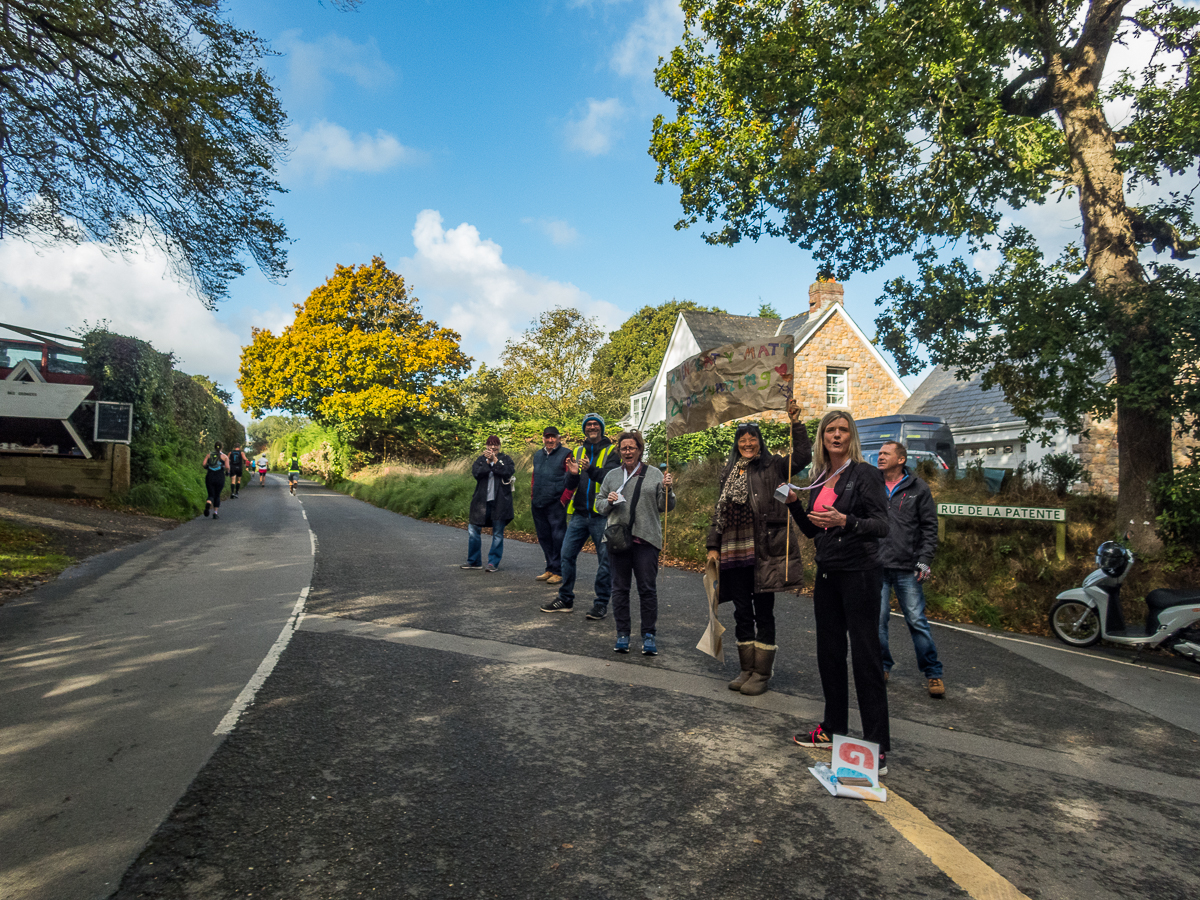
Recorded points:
(619, 535)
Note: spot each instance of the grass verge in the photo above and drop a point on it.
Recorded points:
(26, 557)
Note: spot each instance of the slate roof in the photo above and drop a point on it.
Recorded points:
(712, 330)
(963, 404)
(646, 386)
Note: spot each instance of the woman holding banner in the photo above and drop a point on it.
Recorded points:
(755, 545)
(846, 517)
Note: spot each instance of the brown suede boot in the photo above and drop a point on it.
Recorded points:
(764, 664)
(746, 658)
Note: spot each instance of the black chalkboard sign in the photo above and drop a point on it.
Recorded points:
(114, 423)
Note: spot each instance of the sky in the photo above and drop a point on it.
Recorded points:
(495, 155)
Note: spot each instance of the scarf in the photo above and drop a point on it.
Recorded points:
(736, 490)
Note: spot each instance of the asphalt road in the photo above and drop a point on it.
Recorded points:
(114, 678)
(429, 733)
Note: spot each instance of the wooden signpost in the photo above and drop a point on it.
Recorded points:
(1021, 513)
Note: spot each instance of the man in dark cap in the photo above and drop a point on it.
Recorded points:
(546, 492)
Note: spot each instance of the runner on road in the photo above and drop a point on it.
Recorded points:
(237, 462)
(294, 471)
(262, 470)
(216, 464)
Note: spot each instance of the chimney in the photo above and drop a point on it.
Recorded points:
(822, 293)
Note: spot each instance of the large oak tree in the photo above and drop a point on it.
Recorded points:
(863, 130)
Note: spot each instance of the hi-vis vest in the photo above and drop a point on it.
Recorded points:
(601, 457)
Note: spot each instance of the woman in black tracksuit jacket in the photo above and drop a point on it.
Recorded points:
(846, 516)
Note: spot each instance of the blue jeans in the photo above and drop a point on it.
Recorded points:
(475, 540)
(579, 528)
(912, 604)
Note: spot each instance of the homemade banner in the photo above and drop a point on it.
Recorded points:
(728, 383)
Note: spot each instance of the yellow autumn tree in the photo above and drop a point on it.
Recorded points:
(358, 357)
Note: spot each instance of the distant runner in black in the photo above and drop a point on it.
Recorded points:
(237, 463)
(294, 471)
(216, 464)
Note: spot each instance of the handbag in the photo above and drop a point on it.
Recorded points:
(619, 535)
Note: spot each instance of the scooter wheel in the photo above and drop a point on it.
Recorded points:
(1075, 623)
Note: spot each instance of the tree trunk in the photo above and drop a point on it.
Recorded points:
(1111, 254)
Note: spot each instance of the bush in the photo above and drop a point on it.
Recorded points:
(716, 442)
(1061, 470)
(1178, 495)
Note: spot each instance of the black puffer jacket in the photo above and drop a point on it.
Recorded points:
(913, 535)
(862, 497)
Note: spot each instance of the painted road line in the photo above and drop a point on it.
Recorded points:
(1084, 763)
(958, 863)
(1056, 649)
(962, 866)
(246, 697)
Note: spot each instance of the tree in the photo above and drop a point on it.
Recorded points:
(547, 370)
(264, 432)
(359, 356)
(141, 120)
(767, 311)
(484, 396)
(863, 131)
(635, 351)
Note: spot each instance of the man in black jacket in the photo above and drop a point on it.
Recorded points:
(586, 468)
(906, 555)
(492, 504)
(545, 497)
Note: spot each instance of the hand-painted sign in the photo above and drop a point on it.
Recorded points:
(1027, 513)
(728, 383)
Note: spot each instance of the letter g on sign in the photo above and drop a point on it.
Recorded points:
(856, 755)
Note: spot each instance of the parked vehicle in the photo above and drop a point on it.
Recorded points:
(1084, 615)
(927, 433)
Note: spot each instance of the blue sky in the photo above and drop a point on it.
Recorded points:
(493, 154)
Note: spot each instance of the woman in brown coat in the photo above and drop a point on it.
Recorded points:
(750, 538)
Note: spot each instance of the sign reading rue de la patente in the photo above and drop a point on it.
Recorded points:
(1026, 513)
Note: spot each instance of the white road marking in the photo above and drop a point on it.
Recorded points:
(246, 697)
(1092, 656)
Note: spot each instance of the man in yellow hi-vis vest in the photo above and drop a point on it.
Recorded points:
(591, 461)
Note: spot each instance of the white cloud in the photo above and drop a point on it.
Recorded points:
(560, 233)
(310, 64)
(649, 37)
(60, 288)
(594, 132)
(464, 283)
(326, 147)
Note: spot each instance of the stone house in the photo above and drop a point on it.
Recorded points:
(836, 365)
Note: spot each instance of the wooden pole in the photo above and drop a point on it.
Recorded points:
(667, 514)
(787, 533)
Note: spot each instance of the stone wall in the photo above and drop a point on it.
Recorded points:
(1098, 453)
(57, 476)
(871, 389)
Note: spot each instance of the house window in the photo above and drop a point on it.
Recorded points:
(636, 407)
(835, 387)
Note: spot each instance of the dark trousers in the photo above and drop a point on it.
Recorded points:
(847, 603)
(639, 561)
(753, 614)
(215, 483)
(551, 525)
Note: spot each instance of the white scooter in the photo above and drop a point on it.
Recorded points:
(1084, 615)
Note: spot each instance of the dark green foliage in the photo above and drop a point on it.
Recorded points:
(1179, 497)
(716, 442)
(176, 420)
(1061, 470)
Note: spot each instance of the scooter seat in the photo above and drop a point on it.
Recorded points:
(1163, 598)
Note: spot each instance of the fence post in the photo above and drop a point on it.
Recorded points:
(1060, 540)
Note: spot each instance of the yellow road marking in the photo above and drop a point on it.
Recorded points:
(963, 867)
